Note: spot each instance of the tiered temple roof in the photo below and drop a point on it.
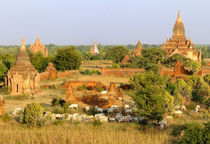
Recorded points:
(178, 44)
(22, 78)
(138, 50)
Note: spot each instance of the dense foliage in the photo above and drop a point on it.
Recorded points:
(33, 114)
(38, 61)
(67, 59)
(149, 93)
(116, 53)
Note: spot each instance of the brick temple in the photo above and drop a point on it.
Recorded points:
(178, 44)
(38, 47)
(23, 78)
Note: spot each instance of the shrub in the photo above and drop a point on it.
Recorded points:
(194, 133)
(115, 65)
(97, 123)
(191, 106)
(86, 72)
(58, 102)
(33, 114)
(58, 110)
(6, 117)
(99, 89)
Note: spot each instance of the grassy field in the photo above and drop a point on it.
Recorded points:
(75, 133)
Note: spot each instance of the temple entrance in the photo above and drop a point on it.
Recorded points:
(17, 88)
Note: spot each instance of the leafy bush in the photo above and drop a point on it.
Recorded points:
(6, 117)
(67, 59)
(191, 106)
(58, 102)
(195, 133)
(99, 89)
(115, 65)
(97, 123)
(88, 72)
(33, 114)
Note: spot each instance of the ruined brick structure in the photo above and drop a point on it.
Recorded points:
(138, 50)
(38, 47)
(88, 84)
(178, 43)
(2, 105)
(23, 78)
(49, 73)
(94, 49)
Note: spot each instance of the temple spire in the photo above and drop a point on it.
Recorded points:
(23, 48)
(37, 40)
(179, 19)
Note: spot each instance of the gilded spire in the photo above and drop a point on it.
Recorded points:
(37, 40)
(179, 19)
(23, 48)
(179, 27)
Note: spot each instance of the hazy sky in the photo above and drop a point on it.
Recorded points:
(107, 21)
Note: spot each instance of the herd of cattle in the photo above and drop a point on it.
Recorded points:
(112, 114)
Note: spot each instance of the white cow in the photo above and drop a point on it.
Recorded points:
(128, 111)
(110, 110)
(103, 92)
(15, 111)
(112, 119)
(114, 107)
(126, 106)
(73, 106)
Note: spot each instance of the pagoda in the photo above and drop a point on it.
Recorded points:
(94, 49)
(178, 44)
(23, 78)
(38, 47)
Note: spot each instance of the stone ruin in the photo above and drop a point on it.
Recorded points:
(38, 47)
(113, 96)
(136, 52)
(23, 78)
(2, 105)
(49, 73)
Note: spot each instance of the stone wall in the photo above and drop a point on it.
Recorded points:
(120, 72)
(88, 84)
(51, 73)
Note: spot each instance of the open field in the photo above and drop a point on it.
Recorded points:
(13, 133)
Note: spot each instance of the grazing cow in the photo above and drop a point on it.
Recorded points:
(178, 112)
(103, 92)
(59, 116)
(112, 119)
(15, 111)
(128, 118)
(110, 110)
(126, 106)
(99, 110)
(73, 106)
(114, 107)
(101, 117)
(128, 111)
(87, 108)
(119, 117)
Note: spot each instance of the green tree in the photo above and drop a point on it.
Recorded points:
(3, 71)
(117, 53)
(194, 66)
(149, 93)
(33, 114)
(38, 61)
(171, 61)
(184, 89)
(67, 59)
(200, 89)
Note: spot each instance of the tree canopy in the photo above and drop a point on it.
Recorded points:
(67, 59)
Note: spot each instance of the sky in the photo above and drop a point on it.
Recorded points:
(77, 22)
